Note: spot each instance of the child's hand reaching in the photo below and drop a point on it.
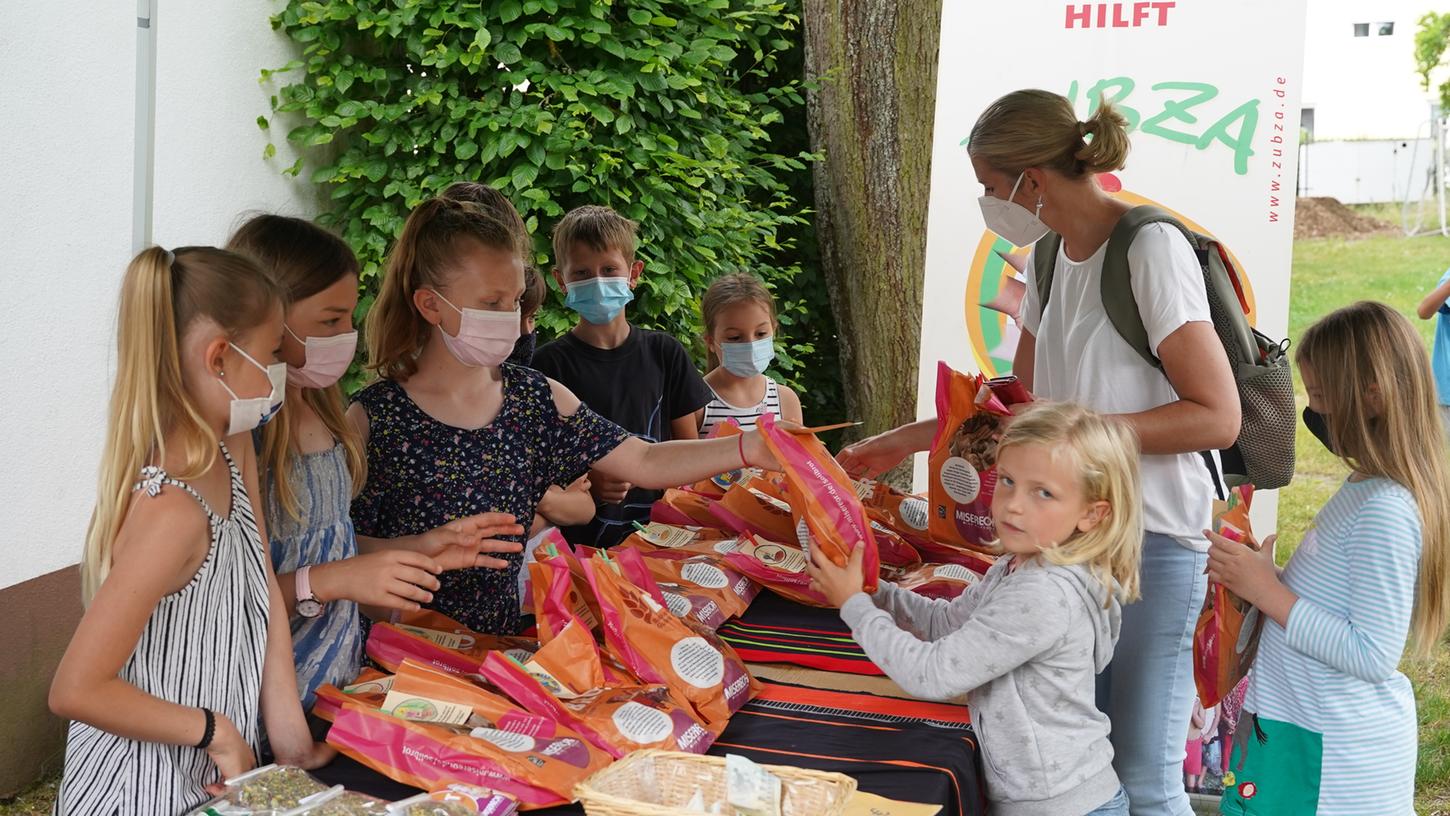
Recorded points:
(607, 490)
(838, 584)
(463, 541)
(565, 507)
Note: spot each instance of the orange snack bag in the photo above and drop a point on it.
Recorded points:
(683, 507)
(471, 734)
(437, 640)
(565, 682)
(558, 598)
(907, 515)
(744, 509)
(701, 671)
(828, 514)
(1226, 637)
(963, 463)
(367, 691)
(891, 548)
(702, 588)
(780, 568)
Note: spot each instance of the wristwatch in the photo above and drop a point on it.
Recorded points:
(307, 604)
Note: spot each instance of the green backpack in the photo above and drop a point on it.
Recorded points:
(1263, 454)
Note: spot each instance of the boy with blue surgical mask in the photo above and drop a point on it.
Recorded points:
(643, 381)
(740, 325)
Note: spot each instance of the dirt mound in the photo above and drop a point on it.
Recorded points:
(1324, 217)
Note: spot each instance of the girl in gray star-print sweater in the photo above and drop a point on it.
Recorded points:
(1026, 642)
(1026, 646)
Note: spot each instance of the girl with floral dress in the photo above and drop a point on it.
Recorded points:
(452, 430)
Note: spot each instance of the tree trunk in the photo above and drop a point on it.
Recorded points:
(871, 116)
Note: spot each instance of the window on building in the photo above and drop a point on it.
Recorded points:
(1361, 29)
(1387, 29)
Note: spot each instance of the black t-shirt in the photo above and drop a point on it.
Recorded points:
(642, 386)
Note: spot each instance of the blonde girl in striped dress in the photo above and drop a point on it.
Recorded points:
(183, 655)
(1328, 726)
(740, 328)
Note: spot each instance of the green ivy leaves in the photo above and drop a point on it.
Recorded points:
(658, 109)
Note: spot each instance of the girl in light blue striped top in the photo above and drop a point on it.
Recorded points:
(1330, 719)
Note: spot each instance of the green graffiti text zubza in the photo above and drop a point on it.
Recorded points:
(1175, 121)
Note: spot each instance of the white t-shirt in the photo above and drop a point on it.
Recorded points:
(1081, 358)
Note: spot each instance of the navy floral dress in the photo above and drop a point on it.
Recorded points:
(423, 474)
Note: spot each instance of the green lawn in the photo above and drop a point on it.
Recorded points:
(1330, 273)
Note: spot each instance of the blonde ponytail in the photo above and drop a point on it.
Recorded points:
(161, 295)
(1106, 135)
(1034, 128)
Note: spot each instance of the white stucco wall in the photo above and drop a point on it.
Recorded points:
(209, 166)
(65, 221)
(1364, 87)
(1364, 172)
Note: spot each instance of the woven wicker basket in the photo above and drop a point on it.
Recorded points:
(662, 783)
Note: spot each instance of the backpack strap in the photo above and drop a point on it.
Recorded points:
(1044, 264)
(1117, 286)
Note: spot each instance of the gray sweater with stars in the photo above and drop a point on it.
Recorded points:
(1025, 645)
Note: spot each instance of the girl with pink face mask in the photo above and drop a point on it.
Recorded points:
(452, 430)
(313, 463)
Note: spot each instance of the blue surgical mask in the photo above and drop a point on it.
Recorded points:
(748, 359)
(599, 300)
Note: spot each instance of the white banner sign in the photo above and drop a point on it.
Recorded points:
(1211, 92)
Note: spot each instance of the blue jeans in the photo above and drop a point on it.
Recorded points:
(1117, 806)
(1148, 690)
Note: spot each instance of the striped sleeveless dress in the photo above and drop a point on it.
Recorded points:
(717, 411)
(203, 646)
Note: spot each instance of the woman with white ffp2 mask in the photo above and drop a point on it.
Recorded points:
(1038, 166)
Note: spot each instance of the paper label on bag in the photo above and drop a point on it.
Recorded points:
(750, 789)
(705, 575)
(447, 640)
(697, 662)
(914, 511)
(865, 489)
(425, 709)
(641, 724)
(549, 682)
(662, 535)
(781, 557)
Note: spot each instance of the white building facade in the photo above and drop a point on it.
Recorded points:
(1365, 115)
